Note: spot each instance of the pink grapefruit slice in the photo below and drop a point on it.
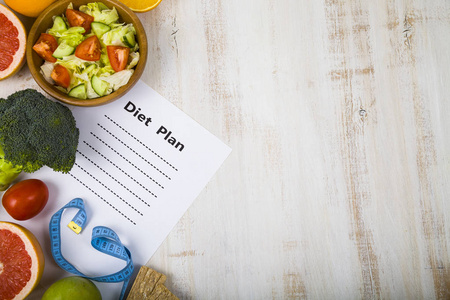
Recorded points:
(21, 261)
(12, 43)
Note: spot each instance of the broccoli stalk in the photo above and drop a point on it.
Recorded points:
(8, 172)
(35, 132)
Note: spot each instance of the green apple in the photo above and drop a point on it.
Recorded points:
(72, 288)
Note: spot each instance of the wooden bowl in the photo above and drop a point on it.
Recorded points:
(45, 21)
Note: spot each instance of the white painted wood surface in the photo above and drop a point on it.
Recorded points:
(337, 113)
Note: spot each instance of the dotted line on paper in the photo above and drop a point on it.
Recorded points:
(114, 193)
(115, 208)
(115, 179)
(112, 134)
(141, 143)
(124, 158)
(107, 159)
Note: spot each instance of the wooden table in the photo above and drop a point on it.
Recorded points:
(337, 113)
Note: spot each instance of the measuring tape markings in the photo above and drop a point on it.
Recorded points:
(103, 239)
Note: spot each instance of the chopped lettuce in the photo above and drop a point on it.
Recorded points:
(118, 79)
(133, 59)
(115, 36)
(72, 36)
(46, 70)
(73, 63)
(100, 13)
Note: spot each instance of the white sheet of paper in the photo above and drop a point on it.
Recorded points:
(140, 164)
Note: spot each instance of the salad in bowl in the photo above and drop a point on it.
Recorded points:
(88, 53)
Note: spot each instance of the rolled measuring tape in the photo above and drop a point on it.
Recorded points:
(103, 239)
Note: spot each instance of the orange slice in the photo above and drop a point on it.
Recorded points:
(12, 43)
(141, 5)
(21, 261)
(29, 8)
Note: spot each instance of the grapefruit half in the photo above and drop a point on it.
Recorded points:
(12, 43)
(21, 261)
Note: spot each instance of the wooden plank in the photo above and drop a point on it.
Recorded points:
(335, 111)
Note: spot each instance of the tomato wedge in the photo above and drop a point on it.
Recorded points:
(61, 76)
(45, 46)
(118, 57)
(79, 18)
(89, 49)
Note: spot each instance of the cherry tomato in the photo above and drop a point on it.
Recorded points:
(80, 19)
(118, 57)
(89, 49)
(45, 46)
(61, 76)
(25, 199)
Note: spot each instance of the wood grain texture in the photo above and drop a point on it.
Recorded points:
(337, 113)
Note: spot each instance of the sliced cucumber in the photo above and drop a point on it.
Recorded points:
(99, 86)
(89, 69)
(78, 91)
(129, 40)
(63, 50)
(59, 25)
(99, 29)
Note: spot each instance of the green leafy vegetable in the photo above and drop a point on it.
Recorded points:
(115, 35)
(118, 79)
(35, 132)
(100, 13)
(133, 60)
(72, 36)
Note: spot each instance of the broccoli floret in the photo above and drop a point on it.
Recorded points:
(35, 132)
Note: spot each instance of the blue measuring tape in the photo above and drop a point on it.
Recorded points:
(103, 239)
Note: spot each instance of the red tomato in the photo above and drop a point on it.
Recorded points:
(118, 57)
(89, 49)
(25, 199)
(80, 19)
(61, 76)
(45, 46)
